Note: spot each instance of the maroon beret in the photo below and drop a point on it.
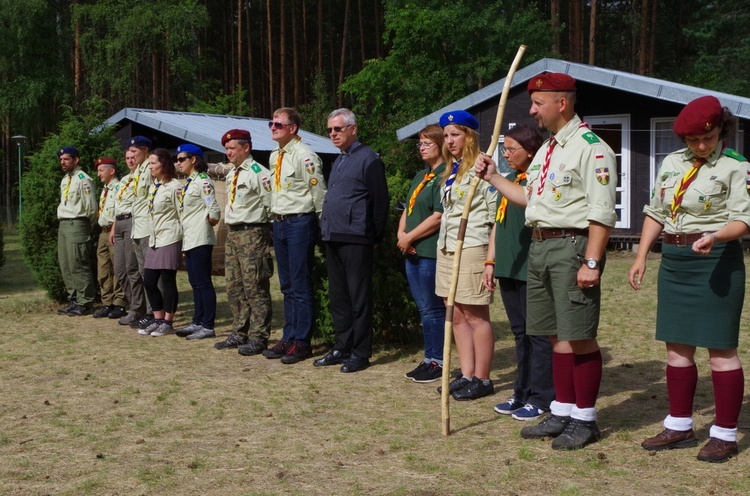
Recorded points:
(105, 161)
(551, 81)
(699, 116)
(235, 134)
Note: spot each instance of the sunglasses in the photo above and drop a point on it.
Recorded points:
(182, 159)
(277, 125)
(337, 129)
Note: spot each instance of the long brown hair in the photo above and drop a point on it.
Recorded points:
(168, 170)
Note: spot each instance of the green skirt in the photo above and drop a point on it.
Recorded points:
(701, 297)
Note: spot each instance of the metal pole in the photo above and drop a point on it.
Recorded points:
(19, 142)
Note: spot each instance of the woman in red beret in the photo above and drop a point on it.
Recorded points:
(701, 204)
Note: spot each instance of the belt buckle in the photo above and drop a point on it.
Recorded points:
(681, 240)
(536, 234)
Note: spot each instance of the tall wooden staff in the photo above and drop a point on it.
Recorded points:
(446, 415)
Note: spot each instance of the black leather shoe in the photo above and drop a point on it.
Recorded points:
(80, 310)
(355, 364)
(476, 388)
(333, 358)
(117, 312)
(102, 312)
(64, 310)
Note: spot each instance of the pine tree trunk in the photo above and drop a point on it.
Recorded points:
(592, 33)
(282, 54)
(271, 96)
(239, 43)
(342, 60)
(555, 17)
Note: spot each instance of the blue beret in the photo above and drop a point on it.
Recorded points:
(140, 141)
(70, 150)
(460, 117)
(191, 149)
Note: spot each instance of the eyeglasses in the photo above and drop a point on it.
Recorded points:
(337, 129)
(277, 125)
(182, 159)
(425, 144)
(509, 150)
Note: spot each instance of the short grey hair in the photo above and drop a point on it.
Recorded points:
(349, 118)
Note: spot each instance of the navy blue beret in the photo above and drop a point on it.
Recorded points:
(140, 141)
(460, 117)
(70, 150)
(191, 149)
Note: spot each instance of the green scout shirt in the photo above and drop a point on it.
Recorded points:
(302, 185)
(427, 203)
(512, 240)
(77, 196)
(124, 199)
(252, 201)
(581, 182)
(107, 199)
(141, 185)
(480, 220)
(198, 204)
(165, 214)
(717, 196)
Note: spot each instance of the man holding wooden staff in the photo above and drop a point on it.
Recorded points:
(570, 201)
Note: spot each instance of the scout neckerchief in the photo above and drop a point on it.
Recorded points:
(277, 169)
(685, 183)
(184, 192)
(449, 182)
(122, 190)
(135, 182)
(151, 197)
(103, 198)
(233, 189)
(503, 207)
(413, 199)
(67, 189)
(547, 158)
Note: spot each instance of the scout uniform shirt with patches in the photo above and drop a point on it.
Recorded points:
(252, 195)
(481, 217)
(107, 199)
(718, 195)
(580, 185)
(198, 204)
(141, 185)
(301, 187)
(125, 197)
(77, 197)
(164, 208)
(427, 202)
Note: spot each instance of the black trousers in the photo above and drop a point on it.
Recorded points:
(350, 294)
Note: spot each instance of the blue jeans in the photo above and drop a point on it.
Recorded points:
(294, 245)
(198, 264)
(420, 272)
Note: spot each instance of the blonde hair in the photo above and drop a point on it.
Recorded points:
(470, 154)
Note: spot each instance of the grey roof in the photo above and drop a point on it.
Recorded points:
(205, 130)
(624, 81)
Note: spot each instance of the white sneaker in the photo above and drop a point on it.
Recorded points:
(163, 330)
(148, 330)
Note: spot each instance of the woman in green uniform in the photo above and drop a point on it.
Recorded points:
(701, 204)
(164, 252)
(199, 212)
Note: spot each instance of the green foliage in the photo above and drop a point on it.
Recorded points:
(41, 193)
(315, 113)
(231, 104)
(2, 245)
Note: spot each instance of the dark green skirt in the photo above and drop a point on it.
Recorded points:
(701, 297)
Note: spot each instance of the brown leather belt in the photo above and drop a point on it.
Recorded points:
(282, 218)
(681, 239)
(542, 233)
(123, 216)
(107, 228)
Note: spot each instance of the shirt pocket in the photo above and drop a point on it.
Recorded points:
(560, 186)
(710, 197)
(666, 189)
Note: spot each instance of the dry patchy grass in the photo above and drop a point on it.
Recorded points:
(89, 407)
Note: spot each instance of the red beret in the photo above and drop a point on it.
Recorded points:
(235, 134)
(551, 81)
(105, 161)
(699, 116)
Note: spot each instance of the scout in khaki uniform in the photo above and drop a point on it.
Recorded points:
(701, 208)
(111, 292)
(248, 262)
(77, 213)
(126, 263)
(298, 189)
(570, 201)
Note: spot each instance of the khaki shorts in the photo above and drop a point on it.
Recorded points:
(470, 289)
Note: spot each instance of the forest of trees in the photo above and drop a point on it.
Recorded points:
(390, 60)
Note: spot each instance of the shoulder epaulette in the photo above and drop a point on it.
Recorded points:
(203, 175)
(255, 168)
(80, 175)
(731, 153)
(590, 137)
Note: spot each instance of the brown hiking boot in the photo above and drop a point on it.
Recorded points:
(670, 439)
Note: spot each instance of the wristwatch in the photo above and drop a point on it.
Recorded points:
(591, 263)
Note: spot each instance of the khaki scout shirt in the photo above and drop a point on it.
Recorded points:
(581, 181)
(107, 202)
(717, 196)
(165, 214)
(124, 198)
(481, 217)
(198, 204)
(302, 187)
(141, 185)
(252, 200)
(77, 197)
